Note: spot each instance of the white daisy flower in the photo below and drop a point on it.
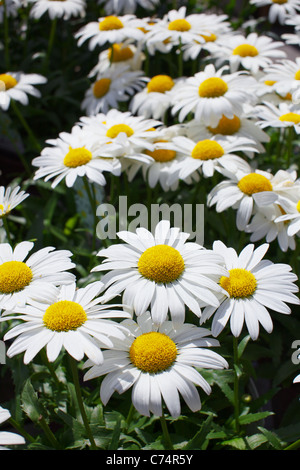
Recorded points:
(241, 191)
(214, 29)
(284, 185)
(154, 100)
(212, 93)
(111, 29)
(296, 96)
(239, 126)
(166, 160)
(279, 9)
(252, 52)
(267, 91)
(214, 154)
(286, 75)
(11, 8)
(292, 39)
(119, 54)
(162, 270)
(126, 6)
(160, 363)
(149, 40)
(70, 319)
(57, 8)
(23, 279)
(124, 137)
(8, 438)
(17, 86)
(107, 127)
(254, 286)
(71, 156)
(265, 224)
(283, 116)
(176, 27)
(293, 20)
(113, 86)
(10, 198)
(290, 215)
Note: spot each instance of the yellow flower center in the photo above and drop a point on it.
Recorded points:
(117, 53)
(287, 97)
(14, 276)
(115, 130)
(254, 183)
(162, 155)
(161, 263)
(245, 50)
(181, 25)
(101, 87)
(226, 126)
(77, 157)
(212, 87)
(269, 82)
(209, 37)
(240, 283)
(290, 117)
(297, 75)
(4, 211)
(64, 315)
(110, 22)
(207, 150)
(2, 86)
(160, 84)
(286, 222)
(280, 2)
(298, 206)
(8, 80)
(153, 352)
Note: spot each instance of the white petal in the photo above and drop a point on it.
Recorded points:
(141, 394)
(237, 318)
(221, 316)
(169, 392)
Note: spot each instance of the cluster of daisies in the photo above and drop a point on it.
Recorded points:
(144, 342)
(220, 116)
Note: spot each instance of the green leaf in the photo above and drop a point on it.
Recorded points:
(199, 438)
(256, 440)
(272, 438)
(114, 443)
(252, 417)
(242, 345)
(31, 404)
(237, 442)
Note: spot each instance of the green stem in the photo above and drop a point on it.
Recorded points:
(236, 386)
(50, 368)
(22, 431)
(49, 434)
(290, 138)
(130, 414)
(6, 36)
(294, 446)
(7, 230)
(180, 60)
(92, 200)
(26, 126)
(74, 368)
(50, 44)
(167, 439)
